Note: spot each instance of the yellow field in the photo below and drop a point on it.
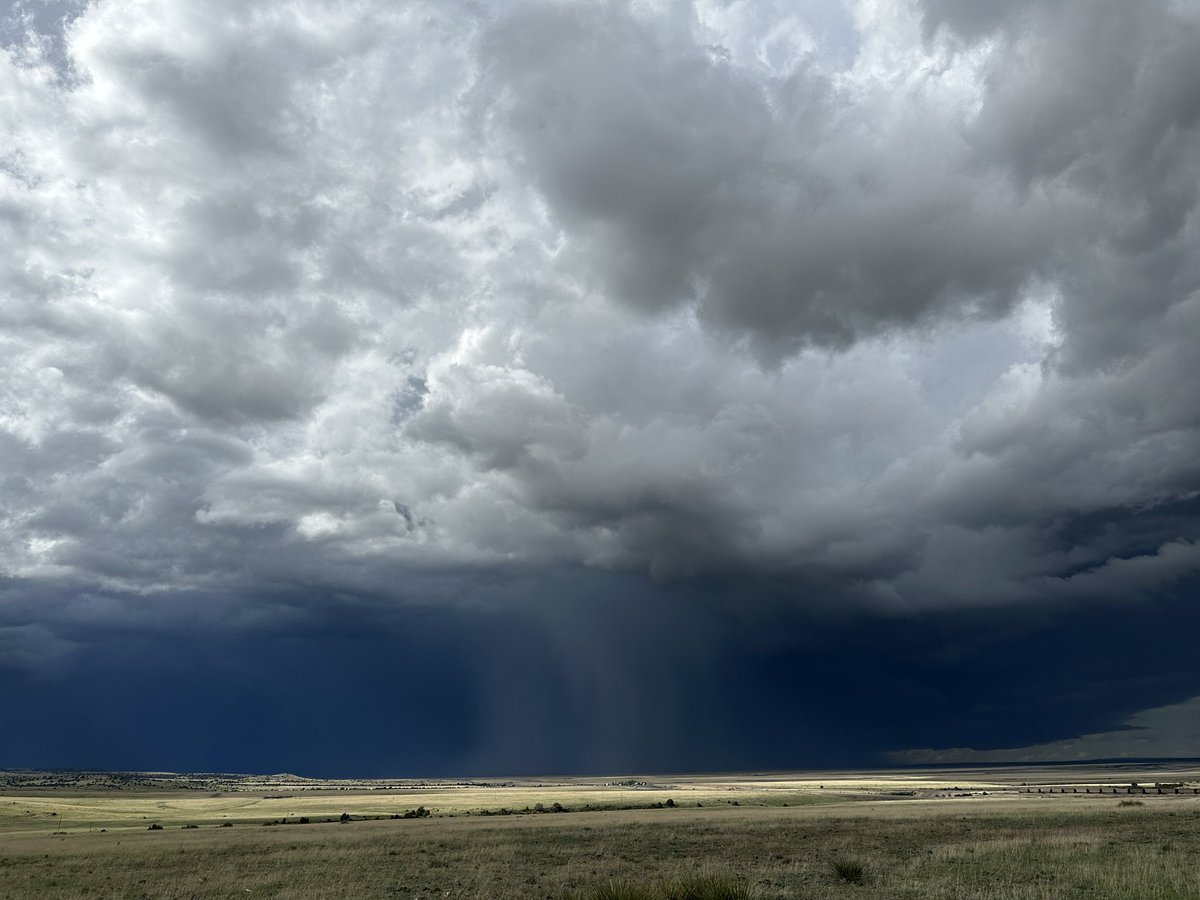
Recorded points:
(48, 813)
(88, 807)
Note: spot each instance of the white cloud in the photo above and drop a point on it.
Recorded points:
(328, 289)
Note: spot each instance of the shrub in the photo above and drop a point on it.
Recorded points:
(1131, 803)
(155, 827)
(850, 871)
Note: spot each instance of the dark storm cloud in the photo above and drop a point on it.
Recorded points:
(862, 310)
(624, 679)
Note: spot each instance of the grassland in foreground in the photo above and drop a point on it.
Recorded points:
(1004, 845)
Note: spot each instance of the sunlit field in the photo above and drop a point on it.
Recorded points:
(977, 834)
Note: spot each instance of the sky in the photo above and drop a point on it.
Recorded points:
(496, 387)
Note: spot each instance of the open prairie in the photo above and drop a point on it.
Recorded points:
(927, 833)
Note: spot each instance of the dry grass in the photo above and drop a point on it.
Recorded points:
(1014, 849)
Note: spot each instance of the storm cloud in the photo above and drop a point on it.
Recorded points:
(782, 315)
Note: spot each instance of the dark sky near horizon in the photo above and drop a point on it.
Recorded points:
(556, 387)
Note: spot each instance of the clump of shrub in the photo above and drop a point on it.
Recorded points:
(848, 870)
(154, 826)
(1131, 803)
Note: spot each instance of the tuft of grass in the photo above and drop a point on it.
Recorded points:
(621, 890)
(1131, 803)
(848, 870)
(707, 888)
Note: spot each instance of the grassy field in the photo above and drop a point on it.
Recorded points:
(953, 841)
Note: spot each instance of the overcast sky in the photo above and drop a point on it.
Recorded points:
(442, 388)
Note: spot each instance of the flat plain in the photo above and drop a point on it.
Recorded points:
(1113, 831)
